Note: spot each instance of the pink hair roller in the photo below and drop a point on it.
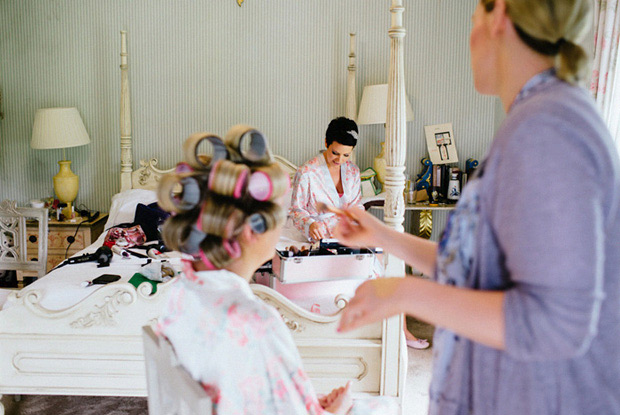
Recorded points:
(260, 186)
(237, 190)
(206, 261)
(212, 175)
(232, 247)
(183, 167)
(239, 185)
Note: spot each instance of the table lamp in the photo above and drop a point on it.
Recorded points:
(373, 110)
(60, 128)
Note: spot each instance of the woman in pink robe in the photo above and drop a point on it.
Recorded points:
(329, 178)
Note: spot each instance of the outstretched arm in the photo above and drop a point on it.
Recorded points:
(476, 315)
(359, 228)
(302, 219)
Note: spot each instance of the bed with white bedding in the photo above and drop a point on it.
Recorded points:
(58, 337)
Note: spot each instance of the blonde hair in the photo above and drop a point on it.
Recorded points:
(553, 28)
(211, 198)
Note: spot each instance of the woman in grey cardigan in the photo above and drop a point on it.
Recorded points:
(526, 290)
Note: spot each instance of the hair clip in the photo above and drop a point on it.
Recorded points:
(202, 161)
(353, 134)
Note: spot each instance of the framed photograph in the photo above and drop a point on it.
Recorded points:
(440, 142)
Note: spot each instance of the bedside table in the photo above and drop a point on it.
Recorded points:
(59, 232)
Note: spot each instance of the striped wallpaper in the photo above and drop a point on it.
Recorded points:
(197, 65)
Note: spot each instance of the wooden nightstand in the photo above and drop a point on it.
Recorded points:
(58, 238)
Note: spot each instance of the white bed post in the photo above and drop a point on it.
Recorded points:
(396, 127)
(350, 110)
(394, 210)
(351, 105)
(125, 117)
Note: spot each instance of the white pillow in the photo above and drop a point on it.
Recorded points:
(123, 208)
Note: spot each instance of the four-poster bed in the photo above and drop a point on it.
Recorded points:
(94, 347)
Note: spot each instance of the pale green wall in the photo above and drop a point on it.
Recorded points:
(279, 65)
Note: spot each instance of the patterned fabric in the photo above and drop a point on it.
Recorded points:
(239, 348)
(605, 82)
(455, 255)
(314, 184)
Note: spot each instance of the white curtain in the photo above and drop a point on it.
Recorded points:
(605, 84)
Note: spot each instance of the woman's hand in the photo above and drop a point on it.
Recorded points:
(374, 300)
(318, 231)
(339, 401)
(359, 228)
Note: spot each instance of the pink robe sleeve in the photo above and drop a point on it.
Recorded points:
(300, 200)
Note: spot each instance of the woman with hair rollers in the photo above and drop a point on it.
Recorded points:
(526, 297)
(229, 219)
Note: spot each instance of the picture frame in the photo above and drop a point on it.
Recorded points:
(440, 143)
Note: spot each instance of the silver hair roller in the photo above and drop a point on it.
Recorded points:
(191, 244)
(191, 193)
(173, 200)
(199, 161)
(248, 143)
(257, 223)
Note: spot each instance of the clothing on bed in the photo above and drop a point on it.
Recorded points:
(314, 184)
(239, 348)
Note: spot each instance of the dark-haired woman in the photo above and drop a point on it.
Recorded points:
(330, 178)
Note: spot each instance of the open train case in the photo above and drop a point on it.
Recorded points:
(330, 261)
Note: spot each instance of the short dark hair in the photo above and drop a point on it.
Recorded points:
(343, 131)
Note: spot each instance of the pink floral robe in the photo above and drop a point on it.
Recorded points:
(313, 184)
(239, 348)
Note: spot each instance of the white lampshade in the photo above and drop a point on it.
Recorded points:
(58, 128)
(373, 108)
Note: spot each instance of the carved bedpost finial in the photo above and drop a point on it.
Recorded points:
(351, 104)
(396, 126)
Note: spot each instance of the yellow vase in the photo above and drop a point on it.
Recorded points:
(66, 184)
(379, 165)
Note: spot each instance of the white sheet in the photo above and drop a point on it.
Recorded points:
(63, 287)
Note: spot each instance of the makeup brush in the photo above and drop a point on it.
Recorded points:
(323, 207)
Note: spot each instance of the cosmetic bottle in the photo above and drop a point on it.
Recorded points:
(454, 186)
(435, 195)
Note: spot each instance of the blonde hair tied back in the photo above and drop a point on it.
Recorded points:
(555, 28)
(571, 63)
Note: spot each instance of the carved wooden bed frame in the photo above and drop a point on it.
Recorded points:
(95, 346)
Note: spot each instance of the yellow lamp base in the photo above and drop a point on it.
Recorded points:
(66, 185)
